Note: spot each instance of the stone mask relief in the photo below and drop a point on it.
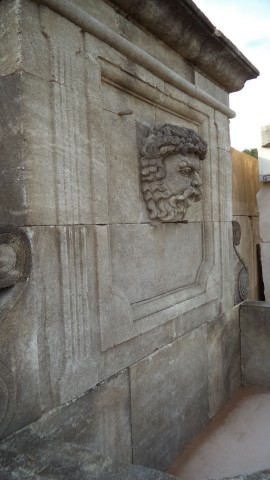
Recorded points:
(170, 164)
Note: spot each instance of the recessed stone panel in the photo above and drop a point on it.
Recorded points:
(149, 261)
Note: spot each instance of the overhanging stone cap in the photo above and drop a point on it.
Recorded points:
(183, 26)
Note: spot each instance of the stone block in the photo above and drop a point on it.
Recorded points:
(46, 155)
(169, 403)
(126, 353)
(223, 131)
(224, 373)
(49, 345)
(196, 317)
(29, 456)
(265, 258)
(226, 267)
(255, 343)
(263, 199)
(125, 200)
(10, 53)
(64, 306)
(245, 178)
(100, 419)
(211, 89)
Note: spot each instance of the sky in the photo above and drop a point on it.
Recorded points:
(247, 24)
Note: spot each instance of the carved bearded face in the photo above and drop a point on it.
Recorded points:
(182, 175)
(170, 171)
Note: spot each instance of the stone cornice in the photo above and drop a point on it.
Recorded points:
(89, 24)
(181, 25)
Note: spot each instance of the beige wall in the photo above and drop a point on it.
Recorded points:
(245, 177)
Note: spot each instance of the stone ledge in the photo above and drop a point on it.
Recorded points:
(262, 475)
(255, 343)
(184, 28)
(28, 456)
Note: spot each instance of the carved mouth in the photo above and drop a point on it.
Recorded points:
(197, 194)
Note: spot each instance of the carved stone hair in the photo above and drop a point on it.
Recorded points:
(156, 143)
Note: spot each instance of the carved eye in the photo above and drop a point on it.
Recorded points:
(185, 171)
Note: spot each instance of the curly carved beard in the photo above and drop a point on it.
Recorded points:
(164, 206)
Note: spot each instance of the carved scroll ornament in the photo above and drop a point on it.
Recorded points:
(240, 267)
(170, 164)
(15, 256)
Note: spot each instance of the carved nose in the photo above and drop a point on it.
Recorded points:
(196, 181)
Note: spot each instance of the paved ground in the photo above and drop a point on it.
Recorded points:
(236, 442)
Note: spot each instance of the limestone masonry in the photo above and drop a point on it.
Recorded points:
(119, 329)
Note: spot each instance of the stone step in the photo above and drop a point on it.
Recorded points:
(28, 456)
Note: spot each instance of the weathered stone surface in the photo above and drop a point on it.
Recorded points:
(224, 372)
(38, 118)
(265, 252)
(106, 289)
(99, 420)
(205, 84)
(191, 43)
(263, 475)
(196, 317)
(167, 408)
(226, 273)
(30, 456)
(48, 333)
(255, 342)
(263, 199)
(115, 359)
(157, 248)
(10, 58)
(15, 256)
(245, 177)
(170, 163)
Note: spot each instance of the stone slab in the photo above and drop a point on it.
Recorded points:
(196, 317)
(10, 54)
(29, 456)
(263, 199)
(212, 89)
(49, 336)
(263, 475)
(255, 343)
(265, 258)
(245, 178)
(224, 372)
(169, 401)
(99, 420)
